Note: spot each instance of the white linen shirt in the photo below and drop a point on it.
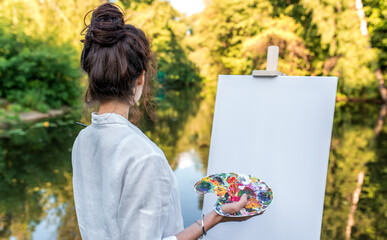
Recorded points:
(123, 185)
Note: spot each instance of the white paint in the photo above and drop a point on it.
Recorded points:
(279, 130)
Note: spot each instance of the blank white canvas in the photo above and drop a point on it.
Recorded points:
(279, 130)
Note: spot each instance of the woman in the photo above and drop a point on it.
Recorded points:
(123, 185)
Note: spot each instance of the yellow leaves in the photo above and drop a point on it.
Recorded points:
(293, 52)
(60, 21)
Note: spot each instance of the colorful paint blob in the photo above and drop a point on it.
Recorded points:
(229, 187)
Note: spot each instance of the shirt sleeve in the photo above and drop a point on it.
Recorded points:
(145, 199)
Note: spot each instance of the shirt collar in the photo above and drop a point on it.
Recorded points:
(108, 118)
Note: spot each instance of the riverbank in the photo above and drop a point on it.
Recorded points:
(9, 117)
(35, 116)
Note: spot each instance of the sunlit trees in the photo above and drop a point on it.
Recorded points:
(163, 25)
(315, 38)
(39, 52)
(228, 37)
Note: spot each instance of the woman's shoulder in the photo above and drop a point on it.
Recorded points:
(117, 136)
(114, 134)
(138, 141)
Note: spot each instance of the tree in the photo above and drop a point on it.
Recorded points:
(316, 38)
(163, 25)
(36, 74)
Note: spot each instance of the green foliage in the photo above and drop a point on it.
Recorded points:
(219, 33)
(315, 38)
(376, 13)
(40, 49)
(163, 26)
(37, 74)
(337, 47)
(39, 54)
(7, 117)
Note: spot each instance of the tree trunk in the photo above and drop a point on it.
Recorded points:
(355, 200)
(381, 120)
(382, 88)
(364, 31)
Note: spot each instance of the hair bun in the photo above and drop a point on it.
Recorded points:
(107, 26)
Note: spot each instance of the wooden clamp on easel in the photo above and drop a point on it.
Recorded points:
(271, 65)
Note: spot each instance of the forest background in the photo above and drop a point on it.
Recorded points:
(40, 45)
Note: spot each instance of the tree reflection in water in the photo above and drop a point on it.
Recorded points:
(359, 146)
(35, 174)
(35, 166)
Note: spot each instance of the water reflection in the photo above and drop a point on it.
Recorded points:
(35, 175)
(35, 169)
(354, 206)
(188, 172)
(174, 111)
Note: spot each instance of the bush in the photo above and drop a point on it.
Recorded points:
(37, 74)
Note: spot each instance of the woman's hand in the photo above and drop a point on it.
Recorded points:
(212, 218)
(233, 208)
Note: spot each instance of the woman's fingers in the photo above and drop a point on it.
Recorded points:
(235, 206)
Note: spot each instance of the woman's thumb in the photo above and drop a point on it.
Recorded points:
(235, 206)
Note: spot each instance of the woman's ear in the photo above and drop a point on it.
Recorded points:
(141, 79)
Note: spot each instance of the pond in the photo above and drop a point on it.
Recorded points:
(35, 168)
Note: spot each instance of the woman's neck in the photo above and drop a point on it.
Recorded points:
(117, 107)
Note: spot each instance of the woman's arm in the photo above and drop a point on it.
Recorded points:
(211, 219)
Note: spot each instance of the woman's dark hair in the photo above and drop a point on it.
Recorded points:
(114, 56)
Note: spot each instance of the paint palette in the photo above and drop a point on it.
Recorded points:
(229, 187)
